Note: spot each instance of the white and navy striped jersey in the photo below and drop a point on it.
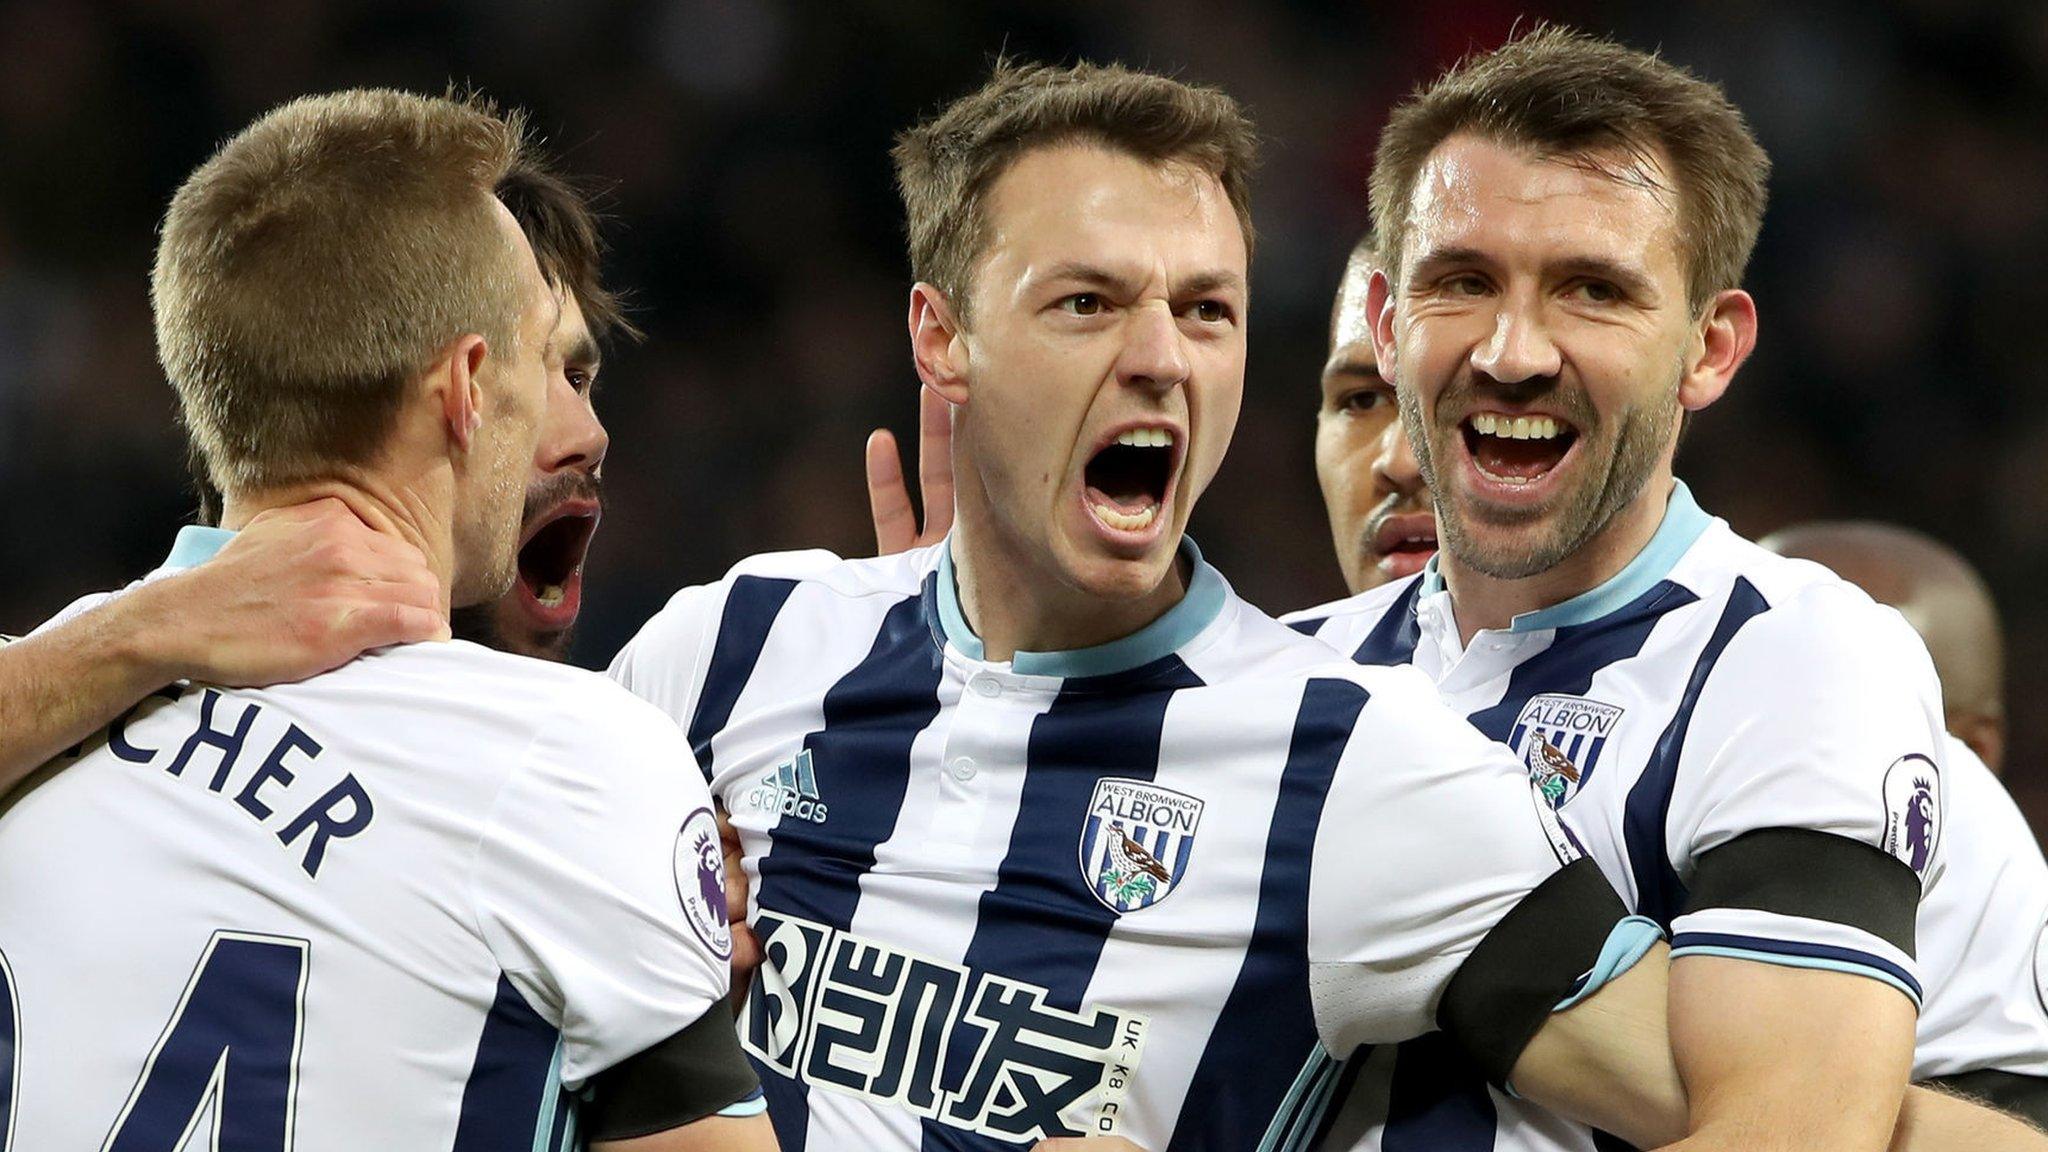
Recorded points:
(405, 904)
(1750, 748)
(1142, 889)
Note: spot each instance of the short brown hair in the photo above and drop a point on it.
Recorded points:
(555, 213)
(318, 262)
(946, 165)
(1566, 93)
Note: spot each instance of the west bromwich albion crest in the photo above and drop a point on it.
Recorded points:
(1136, 843)
(1559, 739)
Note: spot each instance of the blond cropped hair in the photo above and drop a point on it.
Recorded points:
(321, 260)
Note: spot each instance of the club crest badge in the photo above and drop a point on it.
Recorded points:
(1136, 842)
(1912, 811)
(700, 881)
(1560, 739)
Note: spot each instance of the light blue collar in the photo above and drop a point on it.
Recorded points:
(195, 545)
(1682, 525)
(1184, 621)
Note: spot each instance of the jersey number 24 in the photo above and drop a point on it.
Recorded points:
(232, 1041)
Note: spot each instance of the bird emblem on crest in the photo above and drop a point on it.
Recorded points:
(1136, 842)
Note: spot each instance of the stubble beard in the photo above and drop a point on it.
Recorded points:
(489, 540)
(1641, 433)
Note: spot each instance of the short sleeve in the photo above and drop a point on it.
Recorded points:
(1806, 806)
(1430, 835)
(599, 883)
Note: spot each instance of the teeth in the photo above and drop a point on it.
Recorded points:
(1516, 427)
(1146, 438)
(551, 595)
(1125, 521)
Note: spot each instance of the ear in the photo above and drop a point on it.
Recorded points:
(462, 394)
(1726, 337)
(1379, 304)
(937, 344)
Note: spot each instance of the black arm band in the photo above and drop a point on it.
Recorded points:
(1815, 876)
(1531, 962)
(2024, 1096)
(685, 1078)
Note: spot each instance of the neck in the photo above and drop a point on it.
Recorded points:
(1017, 600)
(392, 511)
(1491, 602)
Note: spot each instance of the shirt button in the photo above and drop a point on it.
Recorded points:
(962, 768)
(987, 686)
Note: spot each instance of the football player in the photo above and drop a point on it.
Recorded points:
(1380, 515)
(1751, 749)
(494, 855)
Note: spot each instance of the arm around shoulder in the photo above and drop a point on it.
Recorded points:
(69, 680)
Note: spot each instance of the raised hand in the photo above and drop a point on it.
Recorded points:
(889, 497)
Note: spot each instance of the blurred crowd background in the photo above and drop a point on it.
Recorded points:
(1901, 372)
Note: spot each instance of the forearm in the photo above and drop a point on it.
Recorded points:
(1934, 1121)
(1607, 1063)
(61, 686)
(1929, 1121)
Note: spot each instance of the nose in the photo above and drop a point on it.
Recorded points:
(1153, 354)
(1520, 348)
(1393, 464)
(573, 437)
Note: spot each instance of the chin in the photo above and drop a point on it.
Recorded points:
(502, 625)
(1115, 579)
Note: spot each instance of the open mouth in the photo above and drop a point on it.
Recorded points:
(551, 560)
(1126, 482)
(1402, 542)
(1517, 450)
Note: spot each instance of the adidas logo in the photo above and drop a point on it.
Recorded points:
(791, 789)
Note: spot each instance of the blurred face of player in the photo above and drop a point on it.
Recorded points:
(563, 503)
(1380, 518)
(1105, 365)
(491, 484)
(1541, 339)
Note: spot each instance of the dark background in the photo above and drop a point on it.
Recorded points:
(1901, 371)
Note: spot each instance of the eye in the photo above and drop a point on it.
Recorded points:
(1082, 304)
(1212, 311)
(1464, 284)
(580, 380)
(1364, 400)
(1596, 291)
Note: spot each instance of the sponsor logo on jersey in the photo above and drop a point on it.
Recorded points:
(791, 789)
(1559, 739)
(700, 882)
(1136, 842)
(970, 1050)
(1912, 811)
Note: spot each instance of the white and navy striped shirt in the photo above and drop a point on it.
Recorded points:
(1750, 748)
(1142, 889)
